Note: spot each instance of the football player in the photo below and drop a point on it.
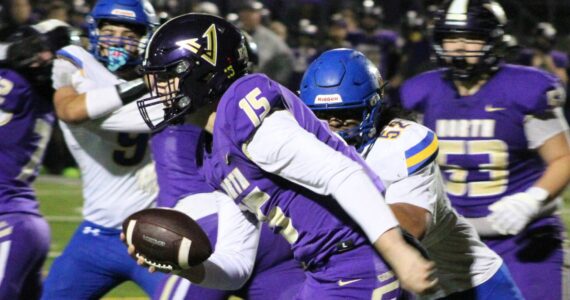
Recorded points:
(176, 153)
(26, 121)
(276, 275)
(344, 88)
(89, 85)
(277, 162)
(504, 148)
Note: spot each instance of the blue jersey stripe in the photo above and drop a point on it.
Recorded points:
(422, 153)
(70, 57)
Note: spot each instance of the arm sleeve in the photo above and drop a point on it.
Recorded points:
(280, 146)
(232, 262)
(539, 129)
(128, 119)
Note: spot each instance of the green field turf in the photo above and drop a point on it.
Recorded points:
(61, 204)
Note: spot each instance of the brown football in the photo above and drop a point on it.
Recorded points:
(167, 237)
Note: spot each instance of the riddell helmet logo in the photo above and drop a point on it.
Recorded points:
(124, 13)
(327, 99)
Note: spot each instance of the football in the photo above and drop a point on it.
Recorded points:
(167, 238)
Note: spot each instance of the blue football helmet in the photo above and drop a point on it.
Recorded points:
(190, 61)
(120, 51)
(474, 19)
(344, 79)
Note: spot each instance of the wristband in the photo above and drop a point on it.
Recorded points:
(102, 101)
(132, 90)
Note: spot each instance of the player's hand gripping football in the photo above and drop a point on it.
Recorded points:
(416, 274)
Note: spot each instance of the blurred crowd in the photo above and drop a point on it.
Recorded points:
(395, 35)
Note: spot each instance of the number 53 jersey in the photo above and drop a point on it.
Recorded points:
(488, 141)
(108, 160)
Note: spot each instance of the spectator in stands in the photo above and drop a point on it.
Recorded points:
(541, 53)
(15, 13)
(379, 45)
(275, 57)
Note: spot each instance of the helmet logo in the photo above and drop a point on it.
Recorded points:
(457, 13)
(326, 99)
(124, 13)
(210, 54)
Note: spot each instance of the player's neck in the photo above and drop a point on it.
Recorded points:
(203, 117)
(470, 87)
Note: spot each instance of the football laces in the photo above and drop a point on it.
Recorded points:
(159, 266)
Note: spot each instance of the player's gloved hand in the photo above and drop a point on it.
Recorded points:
(512, 213)
(146, 179)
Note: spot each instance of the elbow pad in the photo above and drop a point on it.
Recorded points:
(132, 90)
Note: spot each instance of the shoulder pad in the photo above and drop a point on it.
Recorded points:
(536, 91)
(74, 54)
(14, 90)
(402, 148)
(246, 103)
(414, 92)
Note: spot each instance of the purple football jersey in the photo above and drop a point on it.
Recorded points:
(177, 152)
(483, 150)
(26, 120)
(312, 224)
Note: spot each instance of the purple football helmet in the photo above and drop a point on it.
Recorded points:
(473, 19)
(190, 61)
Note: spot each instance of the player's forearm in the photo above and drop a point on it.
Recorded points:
(362, 201)
(211, 274)
(71, 109)
(556, 177)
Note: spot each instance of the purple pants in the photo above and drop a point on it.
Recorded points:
(356, 274)
(24, 244)
(535, 258)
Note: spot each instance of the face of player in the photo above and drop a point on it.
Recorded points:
(118, 40)
(464, 46)
(165, 87)
(341, 120)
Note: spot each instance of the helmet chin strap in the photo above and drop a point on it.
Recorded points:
(117, 57)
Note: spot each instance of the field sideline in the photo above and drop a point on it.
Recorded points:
(60, 202)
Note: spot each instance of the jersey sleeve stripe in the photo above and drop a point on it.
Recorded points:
(422, 153)
(70, 57)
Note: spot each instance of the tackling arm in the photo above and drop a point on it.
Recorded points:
(280, 146)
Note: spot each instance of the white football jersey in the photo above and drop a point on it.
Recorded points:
(109, 161)
(403, 157)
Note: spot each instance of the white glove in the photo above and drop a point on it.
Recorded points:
(146, 180)
(512, 213)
